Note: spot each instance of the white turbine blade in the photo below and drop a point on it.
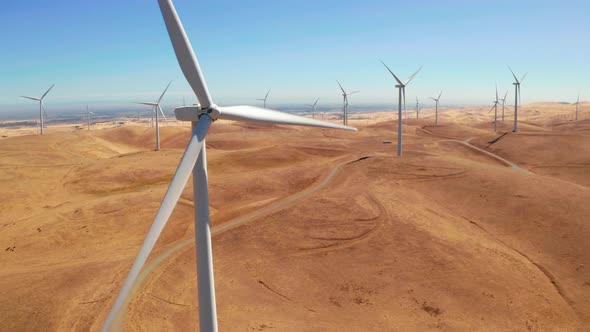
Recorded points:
(46, 92)
(146, 103)
(341, 88)
(523, 76)
(396, 78)
(162, 112)
(32, 98)
(257, 114)
(491, 109)
(516, 79)
(413, 75)
(440, 94)
(506, 94)
(350, 93)
(183, 172)
(433, 98)
(184, 53)
(162, 96)
(316, 101)
(496, 92)
(266, 96)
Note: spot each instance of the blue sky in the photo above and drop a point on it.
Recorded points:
(109, 52)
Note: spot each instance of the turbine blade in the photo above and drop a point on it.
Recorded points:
(162, 112)
(257, 114)
(396, 78)
(32, 98)
(46, 92)
(183, 172)
(413, 75)
(162, 95)
(440, 94)
(267, 94)
(523, 76)
(516, 79)
(316, 101)
(433, 98)
(43, 108)
(145, 103)
(341, 88)
(184, 53)
(350, 93)
(496, 91)
(506, 94)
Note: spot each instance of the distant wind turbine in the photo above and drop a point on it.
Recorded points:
(577, 106)
(313, 107)
(41, 107)
(402, 95)
(194, 160)
(516, 97)
(88, 116)
(265, 98)
(156, 109)
(436, 108)
(495, 108)
(345, 103)
(503, 103)
(417, 108)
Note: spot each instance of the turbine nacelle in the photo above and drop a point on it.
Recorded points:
(193, 113)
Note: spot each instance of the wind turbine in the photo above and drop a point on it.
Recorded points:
(436, 108)
(503, 103)
(345, 103)
(495, 108)
(402, 94)
(265, 98)
(156, 109)
(417, 108)
(313, 107)
(194, 159)
(88, 116)
(516, 97)
(577, 106)
(41, 106)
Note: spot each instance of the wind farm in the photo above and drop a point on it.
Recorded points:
(299, 214)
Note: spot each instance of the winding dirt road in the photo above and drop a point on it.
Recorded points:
(119, 321)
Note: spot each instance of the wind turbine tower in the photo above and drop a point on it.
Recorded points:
(436, 108)
(495, 108)
(402, 96)
(156, 108)
(313, 107)
(88, 116)
(516, 97)
(265, 98)
(194, 160)
(41, 107)
(345, 103)
(503, 103)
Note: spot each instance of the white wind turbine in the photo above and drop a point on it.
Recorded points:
(313, 107)
(345, 103)
(156, 109)
(495, 108)
(503, 103)
(577, 106)
(41, 107)
(265, 98)
(402, 95)
(516, 97)
(194, 160)
(88, 113)
(436, 108)
(417, 108)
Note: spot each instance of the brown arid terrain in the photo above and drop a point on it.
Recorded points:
(313, 229)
